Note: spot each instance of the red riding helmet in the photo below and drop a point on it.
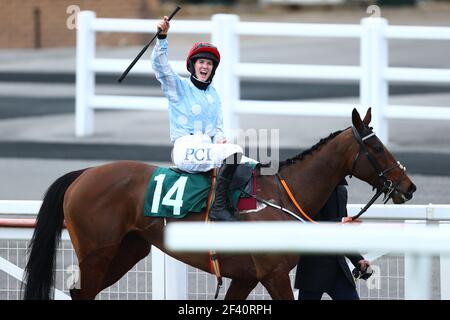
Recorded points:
(203, 50)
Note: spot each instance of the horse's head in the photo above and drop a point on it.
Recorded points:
(374, 163)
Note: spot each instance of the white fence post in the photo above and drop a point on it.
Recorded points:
(445, 268)
(85, 78)
(374, 63)
(169, 277)
(176, 279)
(417, 272)
(158, 274)
(225, 37)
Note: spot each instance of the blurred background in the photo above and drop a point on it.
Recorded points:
(36, 24)
(37, 87)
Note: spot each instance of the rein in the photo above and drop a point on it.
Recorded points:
(270, 204)
(291, 197)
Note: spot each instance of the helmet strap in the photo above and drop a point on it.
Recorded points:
(202, 85)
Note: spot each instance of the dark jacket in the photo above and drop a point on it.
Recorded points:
(318, 272)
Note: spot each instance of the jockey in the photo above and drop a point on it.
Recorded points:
(195, 112)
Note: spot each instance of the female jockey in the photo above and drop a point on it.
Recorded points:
(195, 112)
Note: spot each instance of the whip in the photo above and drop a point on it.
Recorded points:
(124, 74)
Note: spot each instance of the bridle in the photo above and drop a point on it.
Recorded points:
(388, 186)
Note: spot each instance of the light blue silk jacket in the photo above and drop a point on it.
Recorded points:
(191, 110)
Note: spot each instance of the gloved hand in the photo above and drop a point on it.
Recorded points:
(362, 270)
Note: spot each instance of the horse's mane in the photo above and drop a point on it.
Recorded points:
(309, 151)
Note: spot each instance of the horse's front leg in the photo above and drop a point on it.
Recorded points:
(240, 289)
(278, 284)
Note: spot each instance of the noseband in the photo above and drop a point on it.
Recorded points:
(388, 185)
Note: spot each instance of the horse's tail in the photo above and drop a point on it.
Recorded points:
(39, 272)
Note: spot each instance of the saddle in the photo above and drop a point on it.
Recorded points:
(173, 193)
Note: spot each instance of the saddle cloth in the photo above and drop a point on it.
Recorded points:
(172, 193)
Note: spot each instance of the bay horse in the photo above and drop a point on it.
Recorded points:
(102, 208)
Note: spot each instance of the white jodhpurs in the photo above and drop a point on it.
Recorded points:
(197, 153)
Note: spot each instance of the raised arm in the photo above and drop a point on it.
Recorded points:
(160, 63)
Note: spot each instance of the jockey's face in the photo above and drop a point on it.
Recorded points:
(203, 69)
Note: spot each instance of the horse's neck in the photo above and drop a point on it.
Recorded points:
(312, 179)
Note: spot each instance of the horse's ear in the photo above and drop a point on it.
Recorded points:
(356, 120)
(368, 117)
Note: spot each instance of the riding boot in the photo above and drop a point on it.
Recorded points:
(219, 211)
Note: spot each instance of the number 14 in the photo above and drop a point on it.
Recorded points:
(177, 188)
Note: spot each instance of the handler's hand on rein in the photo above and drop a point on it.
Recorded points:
(363, 264)
(350, 220)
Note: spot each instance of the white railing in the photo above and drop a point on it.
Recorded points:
(169, 280)
(373, 73)
(164, 284)
(418, 243)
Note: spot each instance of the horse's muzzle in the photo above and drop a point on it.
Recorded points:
(412, 188)
(400, 196)
(406, 196)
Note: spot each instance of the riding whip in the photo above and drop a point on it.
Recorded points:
(124, 74)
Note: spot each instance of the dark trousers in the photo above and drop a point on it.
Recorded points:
(342, 290)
